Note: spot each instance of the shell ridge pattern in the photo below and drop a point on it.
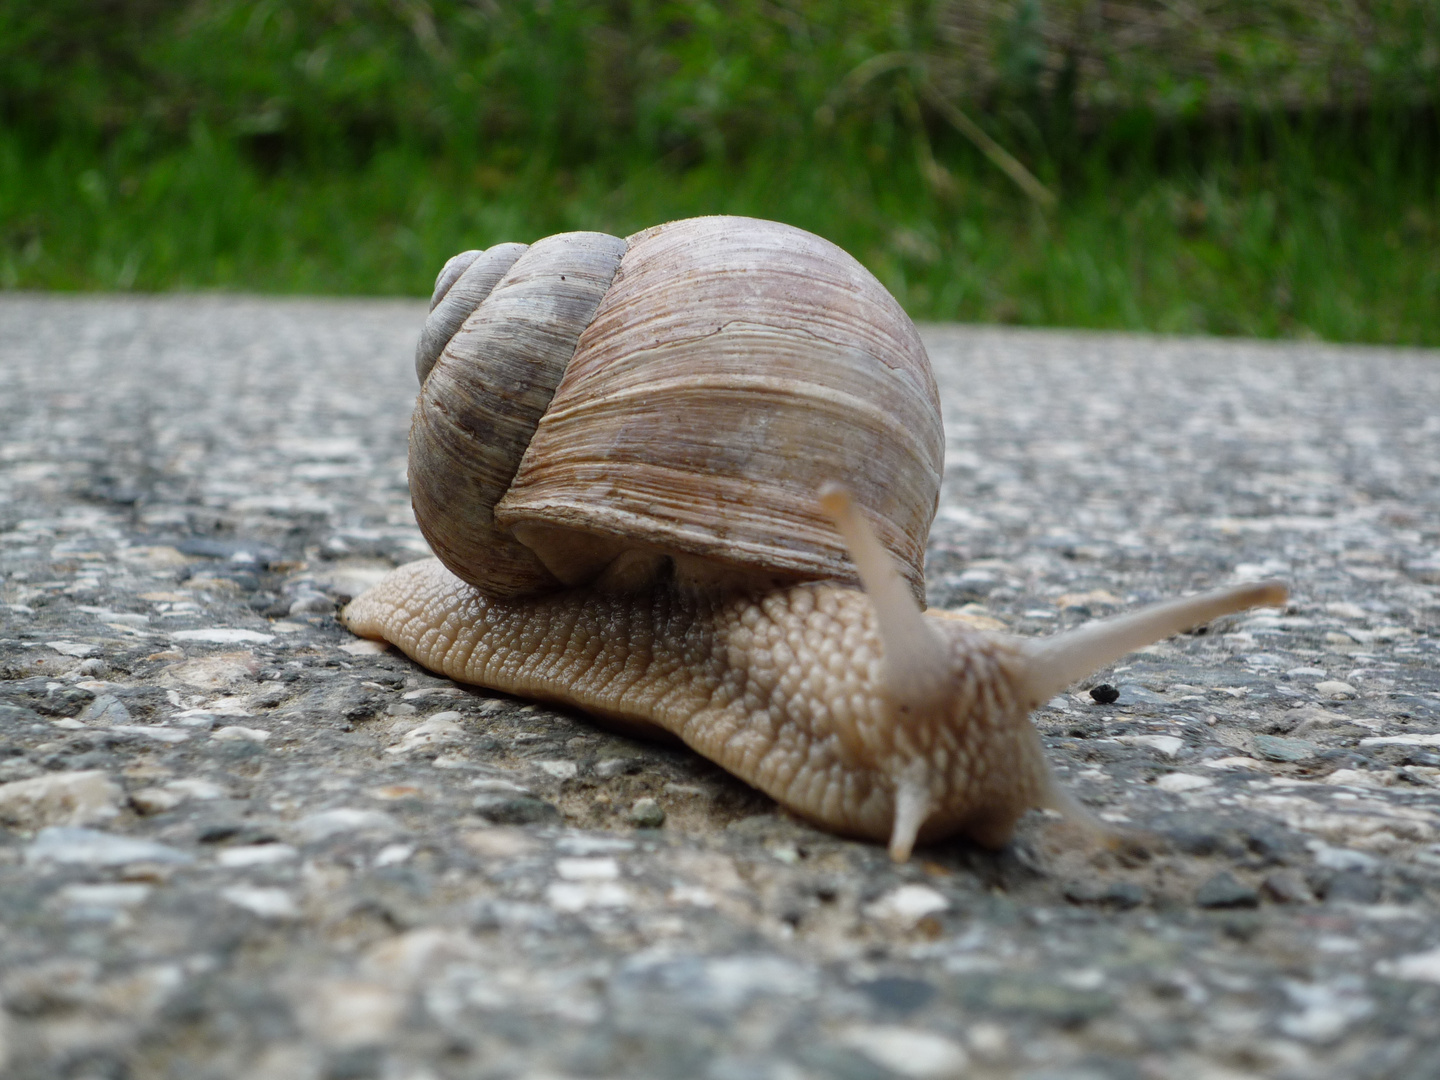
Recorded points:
(751, 390)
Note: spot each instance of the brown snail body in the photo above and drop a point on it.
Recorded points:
(634, 559)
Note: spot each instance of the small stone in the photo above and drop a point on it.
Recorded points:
(196, 788)
(585, 869)
(1178, 782)
(237, 733)
(573, 896)
(1169, 745)
(898, 993)
(1417, 967)
(1134, 694)
(105, 711)
(646, 814)
(1224, 891)
(1121, 895)
(90, 847)
(105, 897)
(1093, 598)
(1104, 694)
(906, 906)
(1353, 887)
(442, 729)
(265, 902)
(1335, 690)
(504, 809)
(909, 1052)
(1342, 859)
(1287, 887)
(155, 800)
(346, 1014)
(312, 603)
(1364, 778)
(73, 648)
(246, 855)
(158, 732)
(618, 766)
(223, 635)
(1402, 740)
(365, 648)
(327, 823)
(66, 798)
(1276, 748)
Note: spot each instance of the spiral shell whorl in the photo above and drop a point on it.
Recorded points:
(480, 401)
(462, 286)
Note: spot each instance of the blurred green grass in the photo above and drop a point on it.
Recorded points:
(1265, 169)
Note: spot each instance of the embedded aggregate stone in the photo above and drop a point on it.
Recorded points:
(237, 841)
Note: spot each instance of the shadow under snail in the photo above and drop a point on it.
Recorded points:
(656, 472)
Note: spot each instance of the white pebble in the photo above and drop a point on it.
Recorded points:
(1169, 745)
(91, 847)
(906, 905)
(346, 1013)
(236, 733)
(222, 635)
(328, 823)
(73, 648)
(909, 1052)
(1179, 781)
(255, 855)
(587, 869)
(66, 798)
(442, 729)
(572, 896)
(1417, 967)
(266, 903)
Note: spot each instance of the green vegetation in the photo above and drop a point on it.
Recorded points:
(1222, 167)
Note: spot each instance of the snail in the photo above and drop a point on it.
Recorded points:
(684, 481)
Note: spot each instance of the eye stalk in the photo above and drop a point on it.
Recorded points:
(916, 666)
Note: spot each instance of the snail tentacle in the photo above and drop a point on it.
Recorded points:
(1056, 662)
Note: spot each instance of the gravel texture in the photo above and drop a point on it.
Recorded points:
(236, 841)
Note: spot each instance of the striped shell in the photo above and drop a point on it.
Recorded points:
(683, 391)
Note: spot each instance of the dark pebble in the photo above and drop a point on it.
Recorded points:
(841, 1064)
(1353, 887)
(1203, 842)
(514, 809)
(18, 714)
(1104, 694)
(1121, 895)
(359, 1063)
(1224, 891)
(1269, 846)
(897, 993)
(241, 551)
(1276, 748)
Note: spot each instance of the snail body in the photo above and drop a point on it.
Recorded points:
(616, 455)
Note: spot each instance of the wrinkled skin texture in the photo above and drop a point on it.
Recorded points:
(782, 688)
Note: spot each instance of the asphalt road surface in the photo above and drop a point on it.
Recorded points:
(236, 841)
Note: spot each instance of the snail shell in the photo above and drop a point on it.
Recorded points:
(596, 413)
(683, 391)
